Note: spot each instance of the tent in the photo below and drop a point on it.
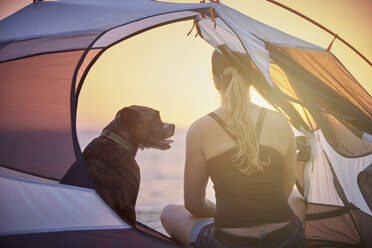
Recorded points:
(47, 50)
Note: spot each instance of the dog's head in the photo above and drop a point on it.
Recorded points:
(144, 127)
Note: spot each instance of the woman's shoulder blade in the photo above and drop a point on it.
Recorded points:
(276, 131)
(276, 120)
(200, 124)
(198, 127)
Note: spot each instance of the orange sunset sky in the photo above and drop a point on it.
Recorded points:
(167, 70)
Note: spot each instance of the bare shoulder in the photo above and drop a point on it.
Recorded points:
(198, 128)
(277, 121)
(277, 131)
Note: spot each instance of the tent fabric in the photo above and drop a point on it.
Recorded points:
(306, 81)
(249, 26)
(338, 228)
(121, 32)
(324, 66)
(337, 213)
(40, 214)
(347, 171)
(319, 77)
(365, 184)
(43, 45)
(253, 34)
(342, 139)
(318, 175)
(332, 226)
(130, 238)
(363, 222)
(14, 173)
(75, 41)
(37, 207)
(50, 18)
(35, 135)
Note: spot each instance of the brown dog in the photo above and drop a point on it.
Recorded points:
(110, 158)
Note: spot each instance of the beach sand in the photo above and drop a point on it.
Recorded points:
(151, 217)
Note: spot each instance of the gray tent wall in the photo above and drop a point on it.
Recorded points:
(40, 214)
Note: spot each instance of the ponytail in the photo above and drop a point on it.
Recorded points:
(240, 125)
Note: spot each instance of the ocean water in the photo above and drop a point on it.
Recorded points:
(161, 172)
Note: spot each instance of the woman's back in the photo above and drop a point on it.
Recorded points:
(249, 200)
(251, 190)
(214, 140)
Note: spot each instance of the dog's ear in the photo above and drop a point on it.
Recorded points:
(127, 115)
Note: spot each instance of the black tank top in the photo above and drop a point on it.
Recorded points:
(248, 200)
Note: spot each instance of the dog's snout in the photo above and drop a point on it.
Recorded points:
(169, 126)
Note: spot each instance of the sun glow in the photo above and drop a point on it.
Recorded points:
(257, 99)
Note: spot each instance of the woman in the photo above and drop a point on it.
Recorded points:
(250, 155)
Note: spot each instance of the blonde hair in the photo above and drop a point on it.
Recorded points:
(236, 100)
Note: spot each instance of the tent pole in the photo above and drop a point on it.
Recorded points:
(322, 27)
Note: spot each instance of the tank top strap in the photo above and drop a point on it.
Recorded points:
(259, 123)
(221, 123)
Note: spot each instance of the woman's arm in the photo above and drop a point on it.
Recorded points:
(196, 177)
(290, 161)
